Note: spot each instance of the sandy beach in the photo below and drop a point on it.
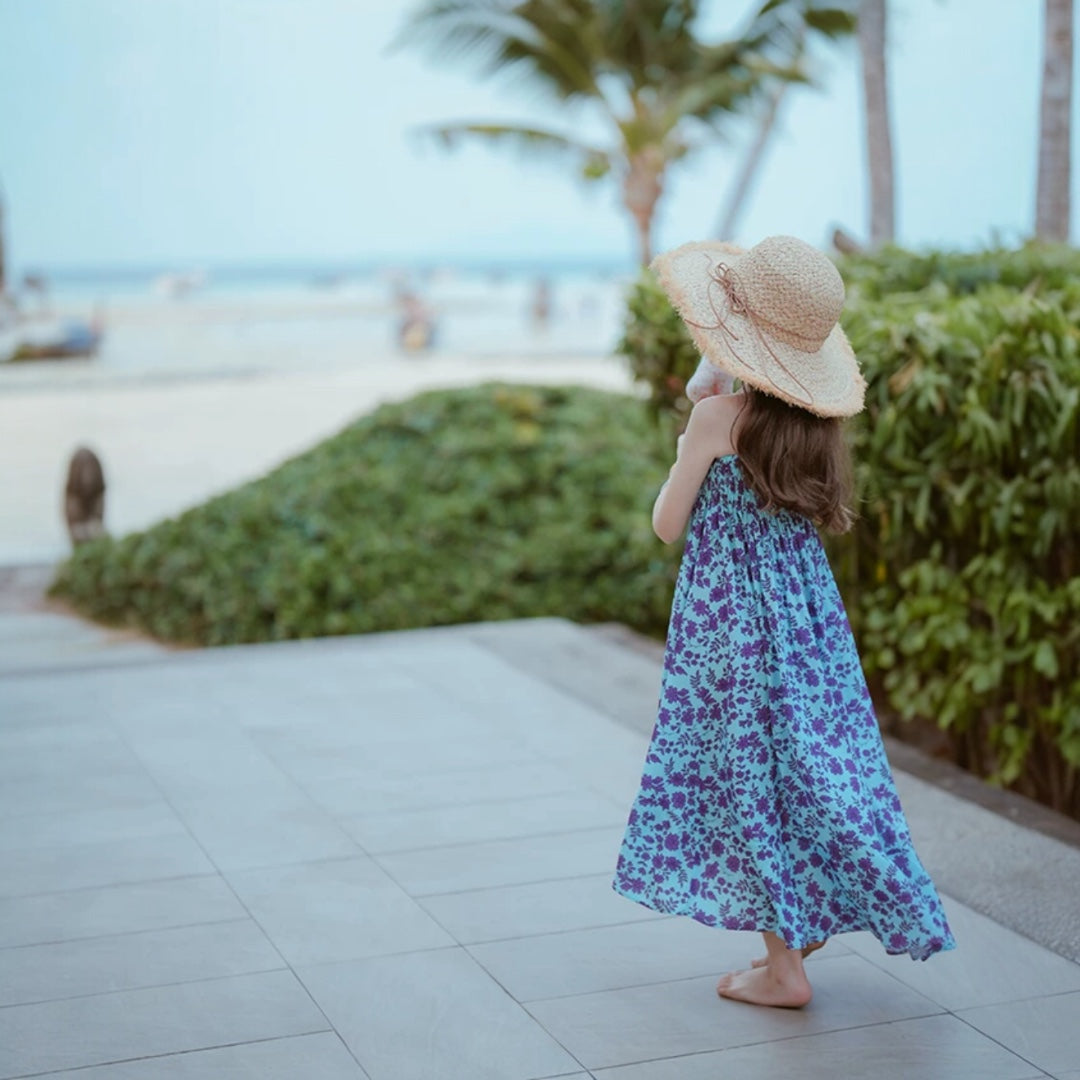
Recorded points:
(170, 436)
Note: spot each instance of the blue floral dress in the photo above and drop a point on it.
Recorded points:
(767, 802)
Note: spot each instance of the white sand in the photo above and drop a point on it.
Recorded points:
(169, 443)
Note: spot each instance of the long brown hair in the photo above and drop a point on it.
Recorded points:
(794, 460)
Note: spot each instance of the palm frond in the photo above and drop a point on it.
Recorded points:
(723, 93)
(531, 141)
(832, 22)
(536, 37)
(646, 40)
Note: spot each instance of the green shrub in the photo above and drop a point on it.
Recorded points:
(662, 355)
(962, 577)
(1036, 267)
(659, 349)
(489, 503)
(966, 574)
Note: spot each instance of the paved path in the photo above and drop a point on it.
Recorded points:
(390, 857)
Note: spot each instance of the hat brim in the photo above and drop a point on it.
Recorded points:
(826, 381)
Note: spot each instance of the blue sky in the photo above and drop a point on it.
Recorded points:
(204, 131)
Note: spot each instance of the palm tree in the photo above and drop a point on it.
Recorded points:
(659, 90)
(798, 19)
(1055, 121)
(878, 129)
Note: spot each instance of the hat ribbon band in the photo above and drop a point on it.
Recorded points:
(724, 276)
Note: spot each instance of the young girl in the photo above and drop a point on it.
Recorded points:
(767, 802)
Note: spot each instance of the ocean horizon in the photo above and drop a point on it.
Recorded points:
(185, 318)
(316, 270)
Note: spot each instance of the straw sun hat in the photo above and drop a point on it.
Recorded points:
(768, 316)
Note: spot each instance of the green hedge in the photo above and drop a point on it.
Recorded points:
(962, 577)
(662, 356)
(489, 503)
(659, 350)
(967, 573)
(1034, 268)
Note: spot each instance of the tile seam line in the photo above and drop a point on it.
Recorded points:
(794, 1038)
(446, 805)
(890, 971)
(497, 840)
(173, 1053)
(229, 885)
(150, 986)
(378, 640)
(611, 926)
(217, 873)
(523, 1009)
(998, 1042)
(652, 982)
(23, 816)
(549, 797)
(125, 933)
(505, 885)
(309, 964)
(291, 783)
(475, 888)
(106, 885)
(1012, 1001)
(764, 1042)
(555, 933)
(457, 772)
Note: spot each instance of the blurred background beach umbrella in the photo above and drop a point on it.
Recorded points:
(655, 91)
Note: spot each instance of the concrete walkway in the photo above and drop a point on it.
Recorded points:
(390, 857)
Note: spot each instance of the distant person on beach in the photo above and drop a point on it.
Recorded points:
(416, 326)
(541, 305)
(766, 801)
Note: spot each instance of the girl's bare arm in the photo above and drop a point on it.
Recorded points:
(707, 437)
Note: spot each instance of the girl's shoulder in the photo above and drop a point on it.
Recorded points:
(717, 407)
(712, 422)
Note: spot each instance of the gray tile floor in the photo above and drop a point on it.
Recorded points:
(390, 858)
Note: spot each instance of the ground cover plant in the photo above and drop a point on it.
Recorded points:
(493, 502)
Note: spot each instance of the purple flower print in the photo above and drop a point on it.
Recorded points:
(766, 800)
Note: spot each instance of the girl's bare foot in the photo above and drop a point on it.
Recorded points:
(761, 961)
(760, 986)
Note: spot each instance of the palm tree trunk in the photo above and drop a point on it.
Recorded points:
(642, 187)
(751, 164)
(878, 134)
(643, 232)
(1052, 197)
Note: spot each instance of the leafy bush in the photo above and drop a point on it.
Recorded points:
(966, 570)
(489, 503)
(1036, 267)
(962, 578)
(661, 354)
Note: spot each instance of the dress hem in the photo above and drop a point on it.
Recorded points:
(915, 952)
